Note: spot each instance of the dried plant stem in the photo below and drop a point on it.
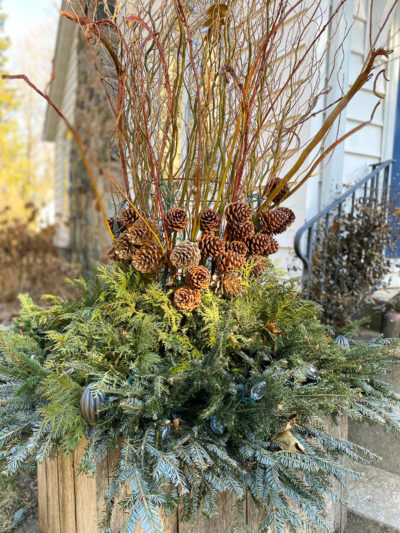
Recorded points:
(360, 81)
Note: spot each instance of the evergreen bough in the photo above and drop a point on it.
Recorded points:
(155, 363)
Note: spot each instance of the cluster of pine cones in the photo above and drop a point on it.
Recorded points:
(212, 261)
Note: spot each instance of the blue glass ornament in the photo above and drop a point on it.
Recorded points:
(342, 341)
(258, 390)
(216, 427)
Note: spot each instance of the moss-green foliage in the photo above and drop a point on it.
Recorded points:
(154, 362)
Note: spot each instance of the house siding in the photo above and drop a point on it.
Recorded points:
(62, 148)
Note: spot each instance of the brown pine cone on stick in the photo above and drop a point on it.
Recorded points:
(130, 215)
(229, 261)
(241, 232)
(148, 259)
(187, 299)
(259, 265)
(238, 213)
(209, 221)
(185, 255)
(115, 225)
(276, 220)
(211, 246)
(262, 244)
(198, 278)
(124, 248)
(143, 232)
(272, 184)
(176, 219)
(230, 284)
(237, 246)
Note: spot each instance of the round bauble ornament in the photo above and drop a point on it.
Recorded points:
(216, 427)
(312, 373)
(258, 390)
(342, 341)
(90, 405)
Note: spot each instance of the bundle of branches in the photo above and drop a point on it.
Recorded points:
(350, 260)
(227, 399)
(213, 103)
(29, 260)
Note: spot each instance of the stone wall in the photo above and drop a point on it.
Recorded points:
(90, 240)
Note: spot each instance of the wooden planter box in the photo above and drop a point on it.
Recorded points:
(72, 503)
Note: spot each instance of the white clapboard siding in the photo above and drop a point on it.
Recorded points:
(63, 144)
(367, 145)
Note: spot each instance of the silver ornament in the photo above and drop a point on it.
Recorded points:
(342, 341)
(90, 405)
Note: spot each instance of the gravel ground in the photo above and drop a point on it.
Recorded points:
(18, 496)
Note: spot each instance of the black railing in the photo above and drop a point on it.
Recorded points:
(373, 190)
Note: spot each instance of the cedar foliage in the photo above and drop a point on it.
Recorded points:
(156, 363)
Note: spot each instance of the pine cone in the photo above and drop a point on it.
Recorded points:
(262, 244)
(115, 225)
(277, 220)
(211, 246)
(176, 219)
(259, 265)
(187, 299)
(141, 232)
(209, 221)
(238, 247)
(198, 278)
(271, 186)
(130, 216)
(124, 249)
(229, 261)
(185, 255)
(238, 213)
(148, 259)
(229, 284)
(241, 232)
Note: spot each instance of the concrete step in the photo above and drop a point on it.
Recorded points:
(374, 502)
(375, 438)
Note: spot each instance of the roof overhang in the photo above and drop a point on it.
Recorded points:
(65, 35)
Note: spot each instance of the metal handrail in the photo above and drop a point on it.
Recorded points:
(373, 177)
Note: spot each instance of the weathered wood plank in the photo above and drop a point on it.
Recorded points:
(101, 488)
(253, 515)
(335, 512)
(42, 497)
(220, 524)
(85, 497)
(66, 475)
(118, 519)
(53, 500)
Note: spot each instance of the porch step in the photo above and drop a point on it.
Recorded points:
(375, 438)
(374, 502)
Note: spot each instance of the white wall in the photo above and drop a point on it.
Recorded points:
(350, 162)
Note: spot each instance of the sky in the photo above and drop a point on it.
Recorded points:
(24, 15)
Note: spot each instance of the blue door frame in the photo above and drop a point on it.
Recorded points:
(395, 189)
